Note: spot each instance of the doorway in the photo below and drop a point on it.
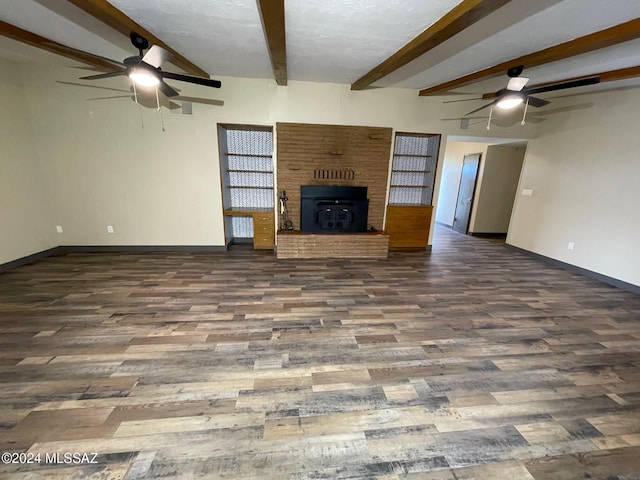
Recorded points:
(466, 191)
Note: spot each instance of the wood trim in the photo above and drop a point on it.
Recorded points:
(61, 250)
(141, 248)
(609, 76)
(608, 37)
(20, 35)
(614, 282)
(465, 14)
(19, 262)
(489, 234)
(273, 25)
(116, 19)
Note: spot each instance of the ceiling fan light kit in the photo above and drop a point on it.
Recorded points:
(510, 101)
(143, 78)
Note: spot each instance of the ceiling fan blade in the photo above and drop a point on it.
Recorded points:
(537, 102)
(462, 100)
(156, 56)
(464, 118)
(108, 98)
(144, 100)
(103, 75)
(564, 85)
(481, 108)
(82, 56)
(517, 83)
(207, 82)
(92, 86)
(205, 101)
(167, 90)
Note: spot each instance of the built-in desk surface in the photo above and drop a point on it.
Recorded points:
(264, 229)
(248, 211)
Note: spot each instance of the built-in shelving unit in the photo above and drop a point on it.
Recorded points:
(408, 218)
(413, 169)
(246, 160)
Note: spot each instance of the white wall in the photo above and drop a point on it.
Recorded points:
(25, 224)
(102, 168)
(496, 190)
(584, 169)
(451, 169)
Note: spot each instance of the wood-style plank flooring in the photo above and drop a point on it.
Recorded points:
(472, 362)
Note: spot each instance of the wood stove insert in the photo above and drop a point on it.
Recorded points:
(333, 209)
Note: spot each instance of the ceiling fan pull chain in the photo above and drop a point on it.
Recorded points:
(135, 97)
(159, 110)
(524, 115)
(489, 122)
(141, 117)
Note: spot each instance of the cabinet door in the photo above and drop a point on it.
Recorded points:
(264, 231)
(408, 226)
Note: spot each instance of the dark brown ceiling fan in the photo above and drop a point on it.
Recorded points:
(144, 69)
(516, 92)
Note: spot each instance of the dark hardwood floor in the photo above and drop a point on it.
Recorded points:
(472, 362)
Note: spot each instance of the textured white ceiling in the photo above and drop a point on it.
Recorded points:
(336, 40)
(562, 22)
(341, 40)
(80, 31)
(222, 37)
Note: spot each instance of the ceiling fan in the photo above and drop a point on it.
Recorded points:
(517, 93)
(144, 69)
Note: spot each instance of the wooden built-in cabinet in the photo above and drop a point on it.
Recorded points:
(264, 231)
(408, 225)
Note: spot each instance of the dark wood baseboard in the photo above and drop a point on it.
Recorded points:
(428, 248)
(34, 257)
(488, 234)
(62, 249)
(141, 248)
(614, 282)
(242, 241)
(443, 224)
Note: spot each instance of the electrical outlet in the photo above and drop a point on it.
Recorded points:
(109, 228)
(570, 246)
(527, 192)
(59, 228)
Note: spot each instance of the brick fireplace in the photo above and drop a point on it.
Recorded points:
(335, 177)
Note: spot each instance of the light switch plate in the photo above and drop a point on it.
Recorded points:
(527, 192)
(109, 229)
(59, 228)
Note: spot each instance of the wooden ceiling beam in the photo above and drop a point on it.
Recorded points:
(20, 35)
(465, 14)
(608, 37)
(272, 16)
(116, 19)
(609, 76)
